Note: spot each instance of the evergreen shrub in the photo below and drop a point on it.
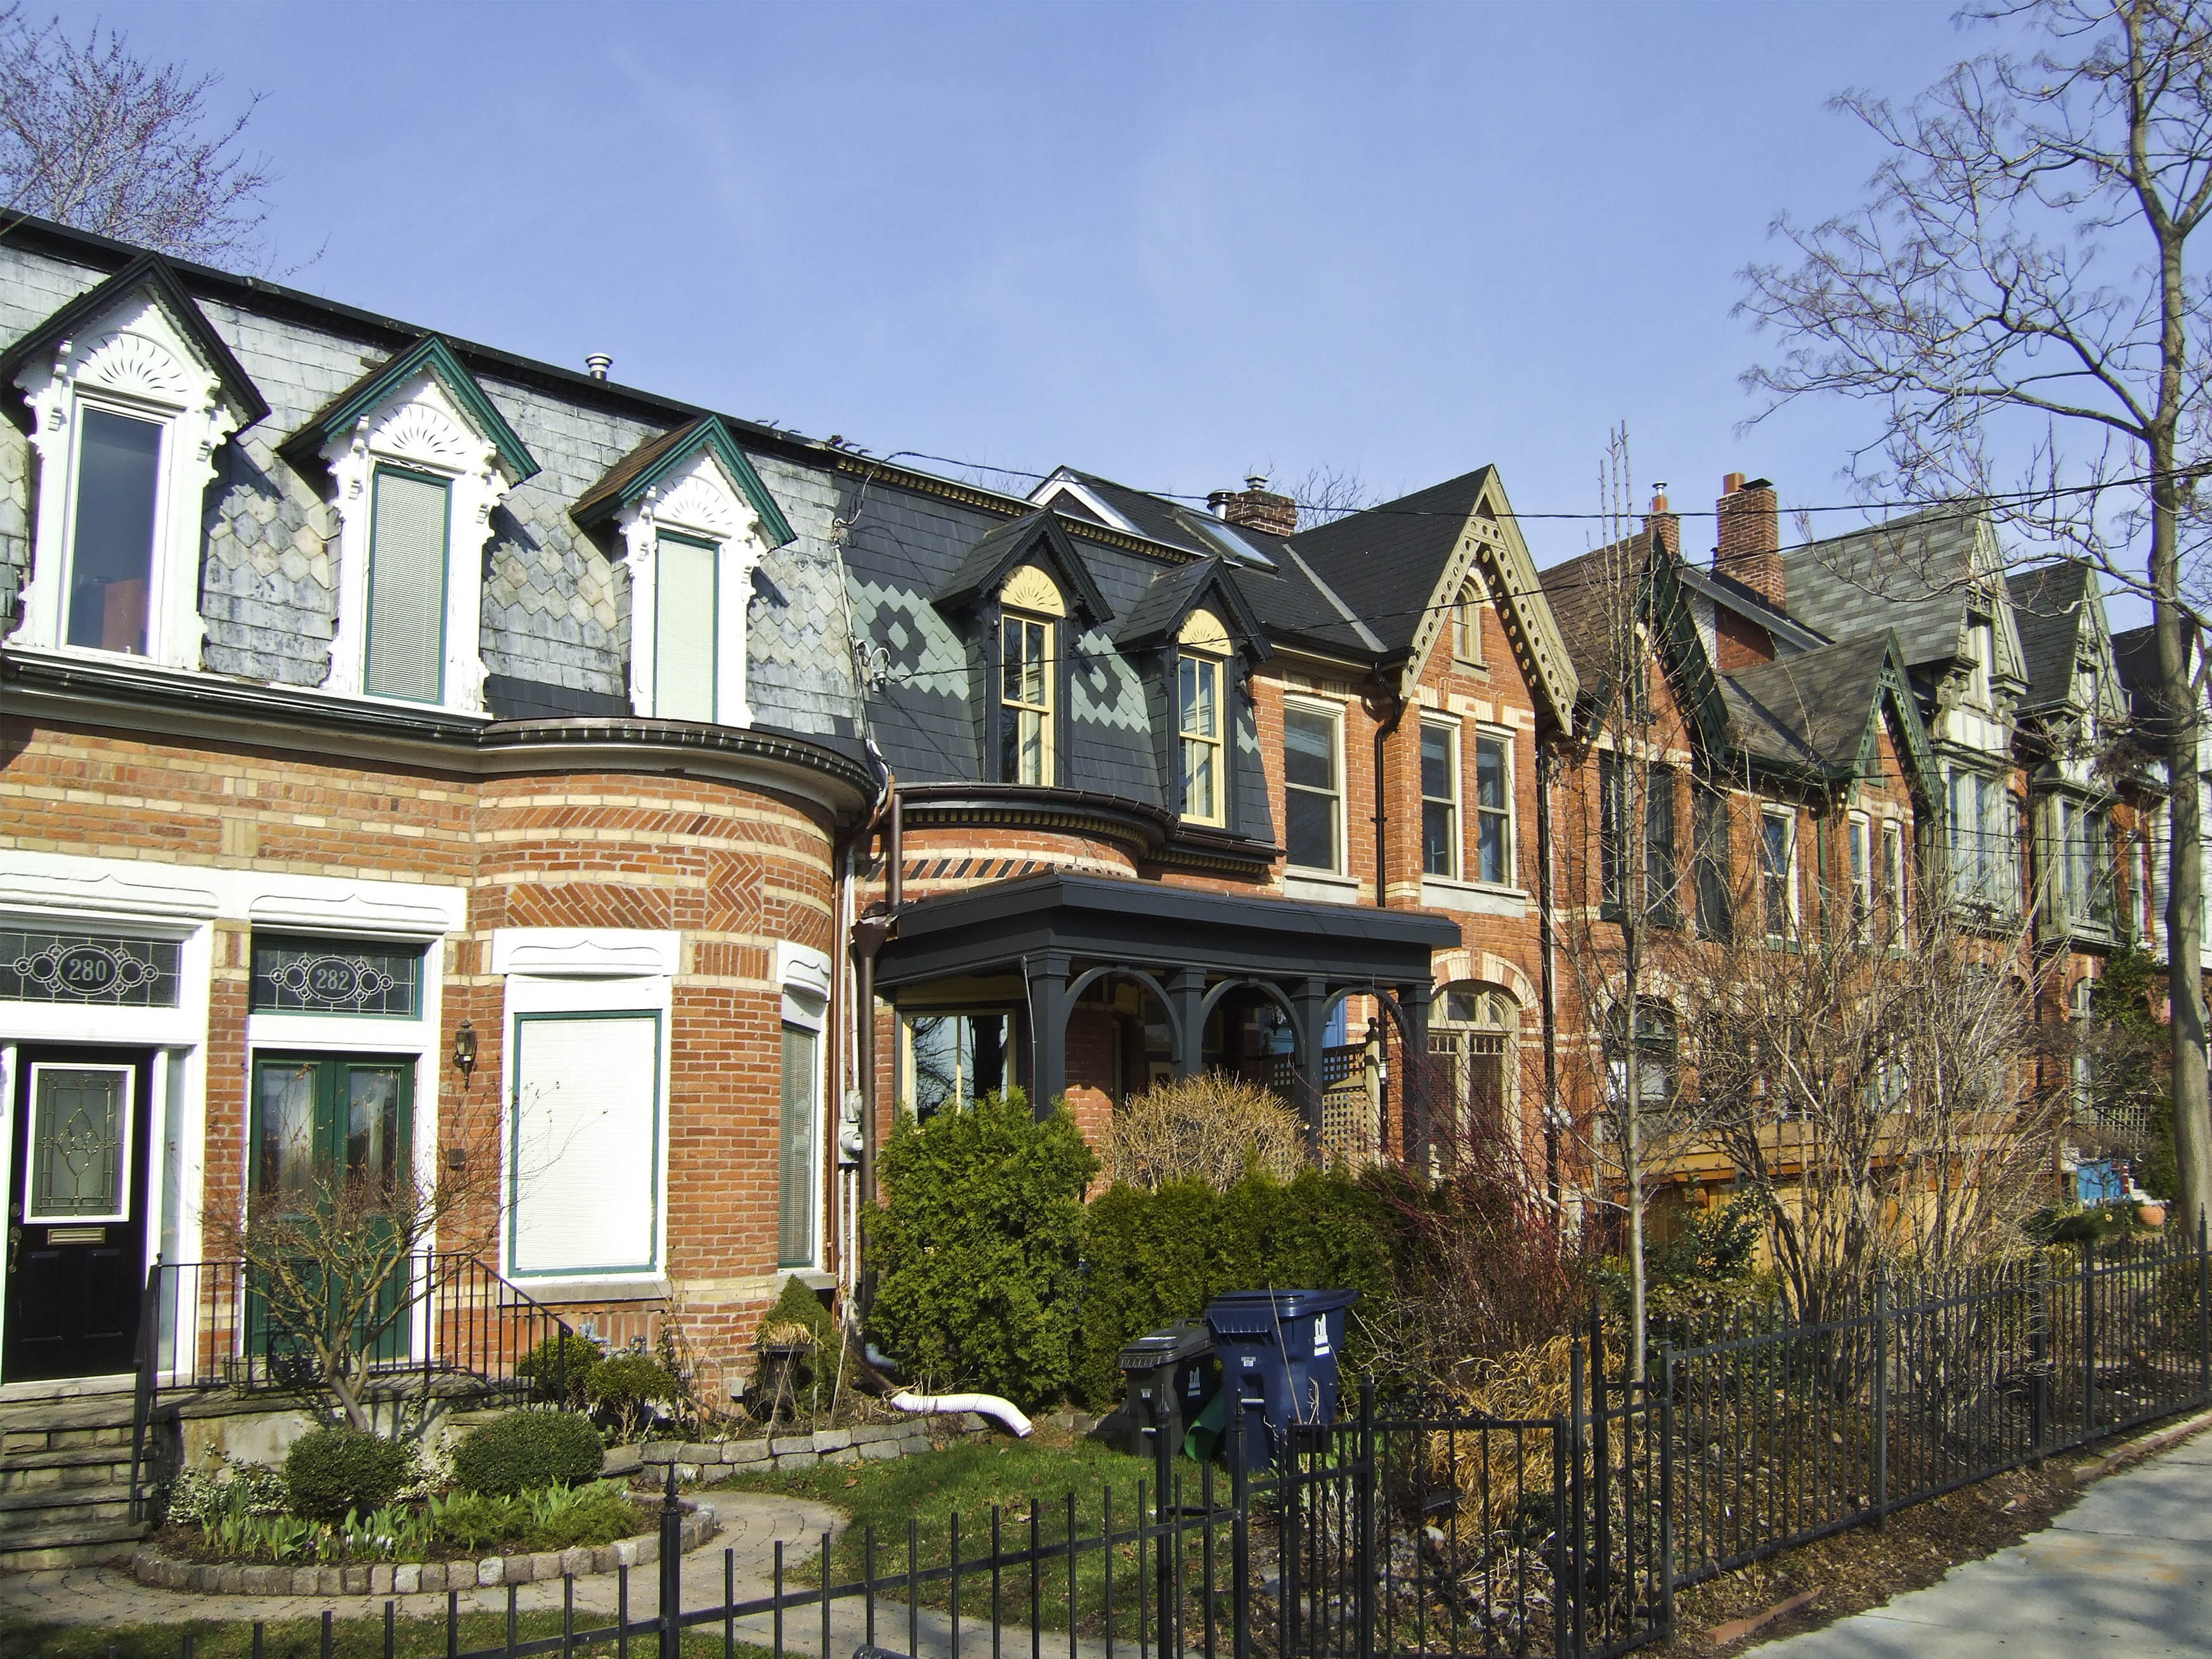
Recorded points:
(1155, 1257)
(329, 1471)
(976, 1242)
(527, 1451)
(559, 1369)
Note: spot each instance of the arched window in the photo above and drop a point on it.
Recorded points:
(1467, 621)
(1032, 617)
(1473, 1037)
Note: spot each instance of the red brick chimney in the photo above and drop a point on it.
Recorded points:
(1663, 524)
(1750, 548)
(1254, 507)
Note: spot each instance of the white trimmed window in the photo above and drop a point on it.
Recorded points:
(1494, 807)
(1859, 832)
(805, 977)
(692, 544)
(1777, 872)
(1313, 786)
(1440, 851)
(125, 421)
(417, 484)
(1892, 866)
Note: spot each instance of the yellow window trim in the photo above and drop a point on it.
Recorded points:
(1202, 631)
(1030, 589)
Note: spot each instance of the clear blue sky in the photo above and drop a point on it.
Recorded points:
(1170, 244)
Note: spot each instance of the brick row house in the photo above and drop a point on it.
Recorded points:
(420, 756)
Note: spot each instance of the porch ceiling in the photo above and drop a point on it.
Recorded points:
(1144, 924)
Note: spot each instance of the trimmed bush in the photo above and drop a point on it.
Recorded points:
(625, 1383)
(1155, 1257)
(525, 1452)
(977, 1244)
(559, 1369)
(329, 1471)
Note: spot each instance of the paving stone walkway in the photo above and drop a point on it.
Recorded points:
(2127, 1570)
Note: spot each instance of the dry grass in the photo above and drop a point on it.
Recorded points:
(1211, 1128)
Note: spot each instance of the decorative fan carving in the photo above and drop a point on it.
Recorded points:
(700, 500)
(136, 366)
(417, 431)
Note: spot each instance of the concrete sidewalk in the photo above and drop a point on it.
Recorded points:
(2130, 1564)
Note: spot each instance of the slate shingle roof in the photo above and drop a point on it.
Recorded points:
(1909, 576)
(1387, 560)
(1812, 706)
(2047, 610)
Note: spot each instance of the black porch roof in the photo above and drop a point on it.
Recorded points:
(1146, 925)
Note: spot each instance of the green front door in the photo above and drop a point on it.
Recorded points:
(331, 1132)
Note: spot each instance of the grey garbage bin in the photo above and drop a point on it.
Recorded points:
(1278, 1359)
(1170, 1375)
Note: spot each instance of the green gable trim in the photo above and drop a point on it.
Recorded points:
(429, 354)
(710, 433)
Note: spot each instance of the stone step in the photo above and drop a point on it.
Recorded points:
(65, 1457)
(104, 1500)
(96, 1412)
(64, 1478)
(69, 1544)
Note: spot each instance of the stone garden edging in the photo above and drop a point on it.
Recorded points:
(718, 1459)
(149, 1566)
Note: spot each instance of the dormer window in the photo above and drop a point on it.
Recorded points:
(131, 395)
(1031, 614)
(419, 458)
(1202, 648)
(1981, 647)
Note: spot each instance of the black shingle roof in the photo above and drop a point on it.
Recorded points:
(1387, 560)
(2047, 606)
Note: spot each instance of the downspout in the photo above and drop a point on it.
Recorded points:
(1374, 703)
(1547, 947)
(870, 934)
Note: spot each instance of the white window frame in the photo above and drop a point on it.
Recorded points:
(1788, 818)
(612, 971)
(805, 976)
(1508, 876)
(1333, 713)
(418, 429)
(1858, 834)
(1893, 876)
(134, 362)
(697, 502)
(1457, 841)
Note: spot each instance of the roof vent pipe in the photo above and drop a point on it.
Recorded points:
(598, 364)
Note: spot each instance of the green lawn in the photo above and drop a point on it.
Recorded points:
(1033, 1484)
(301, 1638)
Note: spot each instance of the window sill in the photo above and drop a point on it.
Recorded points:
(1481, 898)
(1321, 886)
(595, 1287)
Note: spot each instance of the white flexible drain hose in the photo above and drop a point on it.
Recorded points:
(988, 1404)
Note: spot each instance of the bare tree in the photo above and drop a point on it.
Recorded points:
(2014, 298)
(1325, 494)
(96, 136)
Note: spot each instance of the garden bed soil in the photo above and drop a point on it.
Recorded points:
(1865, 1567)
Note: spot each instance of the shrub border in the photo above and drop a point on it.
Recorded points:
(149, 1566)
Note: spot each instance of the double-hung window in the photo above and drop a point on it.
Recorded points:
(407, 573)
(1493, 808)
(1778, 855)
(1892, 880)
(1313, 794)
(1439, 800)
(113, 528)
(1198, 721)
(1026, 672)
(1709, 825)
(686, 656)
(1981, 835)
(1858, 832)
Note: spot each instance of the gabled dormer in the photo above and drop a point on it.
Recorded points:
(128, 394)
(1195, 638)
(1022, 597)
(416, 457)
(695, 521)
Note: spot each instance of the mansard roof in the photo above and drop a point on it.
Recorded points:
(158, 277)
(1173, 594)
(431, 355)
(626, 483)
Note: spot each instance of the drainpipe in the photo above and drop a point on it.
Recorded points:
(1548, 946)
(870, 934)
(1380, 698)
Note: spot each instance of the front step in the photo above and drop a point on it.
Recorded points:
(65, 1481)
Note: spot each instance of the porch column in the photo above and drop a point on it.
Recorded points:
(1187, 985)
(1047, 985)
(1417, 1087)
(1310, 998)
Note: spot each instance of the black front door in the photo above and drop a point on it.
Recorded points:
(77, 1211)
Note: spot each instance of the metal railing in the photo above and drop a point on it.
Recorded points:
(1419, 1534)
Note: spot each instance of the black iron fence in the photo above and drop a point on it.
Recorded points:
(1414, 1535)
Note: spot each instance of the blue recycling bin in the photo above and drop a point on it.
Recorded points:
(1279, 1355)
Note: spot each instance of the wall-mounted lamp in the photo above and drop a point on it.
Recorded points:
(464, 1050)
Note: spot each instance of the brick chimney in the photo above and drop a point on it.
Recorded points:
(1254, 507)
(1750, 548)
(1663, 524)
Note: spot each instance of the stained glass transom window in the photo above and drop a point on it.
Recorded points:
(38, 966)
(336, 976)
